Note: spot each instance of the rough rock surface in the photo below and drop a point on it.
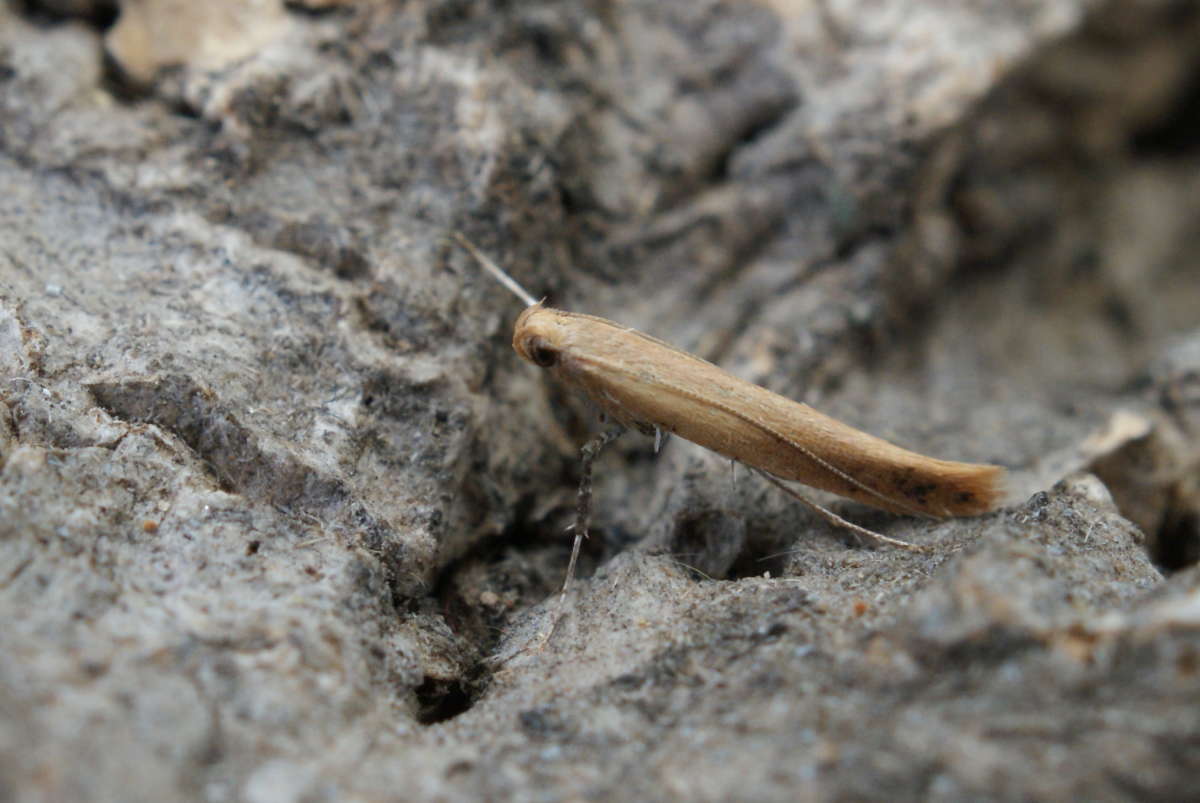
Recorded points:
(281, 514)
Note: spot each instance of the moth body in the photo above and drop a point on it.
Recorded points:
(644, 383)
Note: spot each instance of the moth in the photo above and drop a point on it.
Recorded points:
(642, 383)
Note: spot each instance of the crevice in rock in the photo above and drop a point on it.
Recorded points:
(1177, 542)
(240, 465)
(768, 117)
(238, 462)
(482, 592)
(1177, 132)
(122, 87)
(100, 14)
(708, 541)
(440, 700)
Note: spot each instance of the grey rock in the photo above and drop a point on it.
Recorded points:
(282, 515)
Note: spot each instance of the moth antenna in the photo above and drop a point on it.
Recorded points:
(494, 269)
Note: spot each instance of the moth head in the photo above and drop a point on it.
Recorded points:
(537, 336)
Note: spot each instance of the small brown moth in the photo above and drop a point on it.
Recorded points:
(645, 384)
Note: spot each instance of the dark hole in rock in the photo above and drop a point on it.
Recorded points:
(440, 700)
(1178, 542)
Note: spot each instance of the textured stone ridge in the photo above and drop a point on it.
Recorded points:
(281, 513)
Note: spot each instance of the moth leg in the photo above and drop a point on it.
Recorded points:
(583, 513)
(837, 520)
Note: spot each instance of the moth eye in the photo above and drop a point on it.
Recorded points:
(544, 355)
